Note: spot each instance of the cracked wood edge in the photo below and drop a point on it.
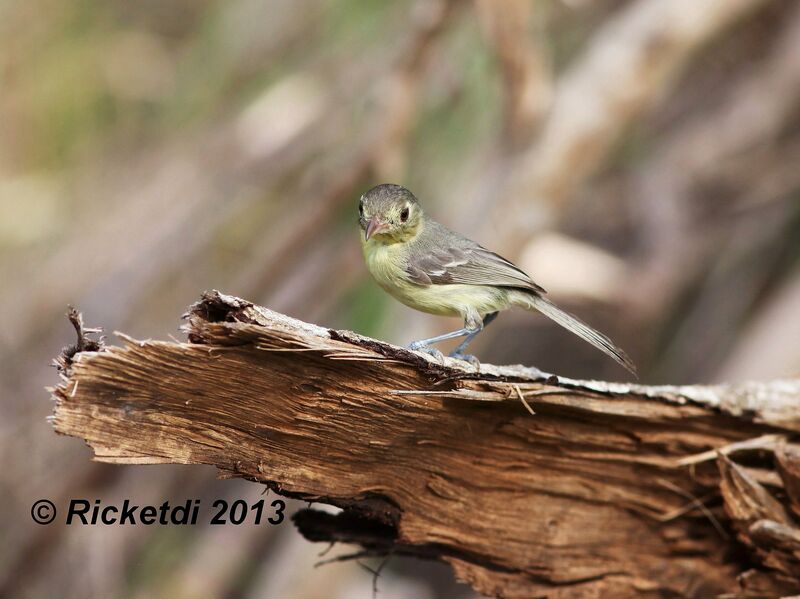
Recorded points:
(590, 495)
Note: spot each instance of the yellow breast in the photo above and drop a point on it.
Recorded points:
(387, 265)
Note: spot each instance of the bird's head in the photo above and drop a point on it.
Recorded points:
(389, 213)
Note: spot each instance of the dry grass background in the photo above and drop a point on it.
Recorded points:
(638, 157)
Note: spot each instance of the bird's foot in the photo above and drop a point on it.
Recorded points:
(466, 358)
(428, 349)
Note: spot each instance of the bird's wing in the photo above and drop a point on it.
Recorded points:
(468, 265)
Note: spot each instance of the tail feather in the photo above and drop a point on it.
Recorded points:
(578, 327)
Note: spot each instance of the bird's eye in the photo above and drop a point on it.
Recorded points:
(361, 209)
(404, 214)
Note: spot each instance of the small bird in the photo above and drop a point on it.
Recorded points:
(430, 268)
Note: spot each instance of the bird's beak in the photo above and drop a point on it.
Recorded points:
(374, 226)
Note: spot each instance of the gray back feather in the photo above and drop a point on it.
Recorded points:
(439, 256)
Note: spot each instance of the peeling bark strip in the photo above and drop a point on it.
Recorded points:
(608, 490)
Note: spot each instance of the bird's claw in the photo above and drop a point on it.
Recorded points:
(467, 358)
(431, 351)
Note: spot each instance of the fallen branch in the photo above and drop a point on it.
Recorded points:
(597, 493)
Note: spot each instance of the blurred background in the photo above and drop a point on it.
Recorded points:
(640, 158)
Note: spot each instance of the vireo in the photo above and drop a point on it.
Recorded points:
(430, 268)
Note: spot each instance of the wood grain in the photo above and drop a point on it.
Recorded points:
(604, 491)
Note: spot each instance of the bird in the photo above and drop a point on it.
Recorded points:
(431, 268)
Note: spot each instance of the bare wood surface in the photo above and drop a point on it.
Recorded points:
(608, 489)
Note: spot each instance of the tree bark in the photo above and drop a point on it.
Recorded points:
(608, 489)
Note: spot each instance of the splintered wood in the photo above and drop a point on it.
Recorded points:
(525, 483)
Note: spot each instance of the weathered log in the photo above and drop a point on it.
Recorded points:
(608, 489)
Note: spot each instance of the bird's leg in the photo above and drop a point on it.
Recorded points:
(425, 344)
(458, 352)
(472, 325)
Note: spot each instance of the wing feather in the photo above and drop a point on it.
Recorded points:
(473, 265)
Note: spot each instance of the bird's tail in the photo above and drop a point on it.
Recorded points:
(531, 301)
